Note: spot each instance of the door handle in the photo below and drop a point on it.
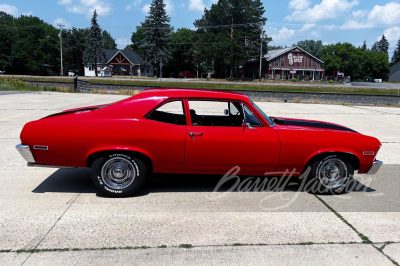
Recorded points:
(195, 134)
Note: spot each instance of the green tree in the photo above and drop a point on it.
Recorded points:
(355, 62)
(311, 46)
(396, 53)
(94, 52)
(74, 43)
(229, 35)
(109, 41)
(274, 47)
(156, 35)
(182, 49)
(136, 39)
(6, 40)
(36, 47)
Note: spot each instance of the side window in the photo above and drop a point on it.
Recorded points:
(216, 113)
(171, 113)
(251, 118)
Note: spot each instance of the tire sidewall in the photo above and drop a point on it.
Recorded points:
(133, 188)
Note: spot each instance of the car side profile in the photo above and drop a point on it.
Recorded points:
(193, 131)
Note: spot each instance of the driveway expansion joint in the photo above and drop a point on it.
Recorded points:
(70, 203)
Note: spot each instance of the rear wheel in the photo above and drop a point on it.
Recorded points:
(330, 175)
(118, 175)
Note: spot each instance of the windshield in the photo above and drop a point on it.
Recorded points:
(269, 121)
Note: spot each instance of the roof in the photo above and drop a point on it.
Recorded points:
(131, 56)
(392, 64)
(278, 52)
(190, 93)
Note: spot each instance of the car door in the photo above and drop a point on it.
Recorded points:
(217, 140)
(163, 136)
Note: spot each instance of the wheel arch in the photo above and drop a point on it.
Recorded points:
(130, 152)
(351, 157)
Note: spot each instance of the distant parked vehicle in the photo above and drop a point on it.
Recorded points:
(2, 72)
(186, 74)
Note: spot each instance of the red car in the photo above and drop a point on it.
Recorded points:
(186, 74)
(193, 131)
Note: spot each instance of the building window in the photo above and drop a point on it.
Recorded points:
(148, 70)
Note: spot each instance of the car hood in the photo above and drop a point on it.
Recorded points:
(310, 124)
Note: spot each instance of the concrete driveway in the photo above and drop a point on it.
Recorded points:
(50, 216)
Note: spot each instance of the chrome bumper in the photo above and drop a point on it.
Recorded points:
(26, 153)
(375, 167)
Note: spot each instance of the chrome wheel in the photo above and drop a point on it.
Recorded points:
(332, 173)
(118, 173)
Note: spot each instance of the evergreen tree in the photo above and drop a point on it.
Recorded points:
(109, 41)
(156, 34)
(364, 47)
(381, 46)
(94, 52)
(384, 45)
(396, 53)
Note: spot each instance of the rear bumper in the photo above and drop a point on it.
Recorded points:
(375, 167)
(26, 153)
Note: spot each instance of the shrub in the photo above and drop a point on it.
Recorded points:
(331, 81)
(294, 79)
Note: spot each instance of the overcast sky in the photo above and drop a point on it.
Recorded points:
(289, 21)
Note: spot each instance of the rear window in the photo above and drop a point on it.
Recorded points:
(170, 113)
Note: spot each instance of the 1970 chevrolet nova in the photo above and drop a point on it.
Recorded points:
(193, 131)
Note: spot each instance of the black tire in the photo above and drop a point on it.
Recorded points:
(330, 175)
(118, 175)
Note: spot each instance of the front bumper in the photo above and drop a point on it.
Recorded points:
(375, 167)
(25, 152)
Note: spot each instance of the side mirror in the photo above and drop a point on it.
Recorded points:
(226, 112)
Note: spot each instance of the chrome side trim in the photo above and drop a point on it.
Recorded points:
(48, 165)
(25, 152)
(375, 167)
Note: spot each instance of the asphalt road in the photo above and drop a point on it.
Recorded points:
(50, 216)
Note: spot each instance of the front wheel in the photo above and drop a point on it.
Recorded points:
(118, 175)
(330, 175)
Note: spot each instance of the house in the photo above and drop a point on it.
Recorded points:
(394, 74)
(286, 63)
(120, 62)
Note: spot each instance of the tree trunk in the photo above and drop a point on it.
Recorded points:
(95, 66)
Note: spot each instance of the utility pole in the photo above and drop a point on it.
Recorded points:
(261, 45)
(61, 52)
(231, 74)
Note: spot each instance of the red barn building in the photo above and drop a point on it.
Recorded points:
(286, 63)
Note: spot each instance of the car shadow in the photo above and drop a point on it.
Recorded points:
(78, 180)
